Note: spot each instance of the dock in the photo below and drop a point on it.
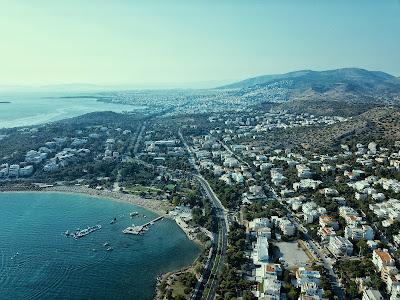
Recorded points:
(141, 228)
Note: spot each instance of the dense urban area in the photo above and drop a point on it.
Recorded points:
(285, 203)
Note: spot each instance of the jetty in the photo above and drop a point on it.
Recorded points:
(141, 228)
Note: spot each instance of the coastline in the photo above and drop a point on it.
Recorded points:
(158, 207)
(155, 206)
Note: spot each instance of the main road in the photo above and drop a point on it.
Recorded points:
(333, 278)
(211, 279)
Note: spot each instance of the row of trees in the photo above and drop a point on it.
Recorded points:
(231, 284)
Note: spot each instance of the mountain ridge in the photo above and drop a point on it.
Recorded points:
(344, 72)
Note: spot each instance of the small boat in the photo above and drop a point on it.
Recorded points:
(113, 221)
(110, 248)
(66, 233)
(106, 244)
(134, 213)
(84, 232)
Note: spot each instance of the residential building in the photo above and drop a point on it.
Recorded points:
(381, 258)
(372, 295)
(340, 246)
(359, 232)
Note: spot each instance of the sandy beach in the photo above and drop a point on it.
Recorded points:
(159, 207)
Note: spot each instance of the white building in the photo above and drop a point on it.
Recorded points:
(26, 171)
(359, 232)
(13, 170)
(381, 258)
(308, 281)
(372, 295)
(287, 227)
(340, 246)
(306, 184)
(262, 249)
(271, 289)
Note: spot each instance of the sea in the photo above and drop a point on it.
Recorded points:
(38, 261)
(33, 108)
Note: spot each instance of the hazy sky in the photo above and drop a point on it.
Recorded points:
(141, 43)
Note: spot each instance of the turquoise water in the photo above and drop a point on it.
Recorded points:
(35, 108)
(52, 266)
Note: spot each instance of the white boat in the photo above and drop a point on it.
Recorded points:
(84, 232)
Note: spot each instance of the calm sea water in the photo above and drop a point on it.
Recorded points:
(35, 108)
(52, 266)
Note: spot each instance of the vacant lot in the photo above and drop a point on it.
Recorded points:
(293, 255)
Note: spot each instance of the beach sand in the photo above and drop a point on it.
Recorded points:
(157, 206)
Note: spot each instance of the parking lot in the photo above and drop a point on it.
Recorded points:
(293, 255)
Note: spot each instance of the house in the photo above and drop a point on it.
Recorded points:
(265, 232)
(326, 233)
(396, 239)
(393, 286)
(329, 192)
(51, 166)
(306, 184)
(340, 246)
(262, 249)
(357, 233)
(284, 224)
(259, 223)
(381, 258)
(26, 171)
(287, 193)
(287, 227)
(308, 281)
(271, 289)
(274, 270)
(276, 176)
(255, 193)
(345, 211)
(4, 170)
(13, 170)
(311, 211)
(372, 295)
(303, 171)
(328, 221)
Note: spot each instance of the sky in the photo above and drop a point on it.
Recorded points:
(191, 43)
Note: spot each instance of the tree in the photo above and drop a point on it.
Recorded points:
(292, 294)
(362, 247)
(248, 296)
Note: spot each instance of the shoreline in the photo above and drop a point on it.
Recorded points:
(156, 206)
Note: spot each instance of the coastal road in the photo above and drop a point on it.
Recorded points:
(210, 277)
(222, 242)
